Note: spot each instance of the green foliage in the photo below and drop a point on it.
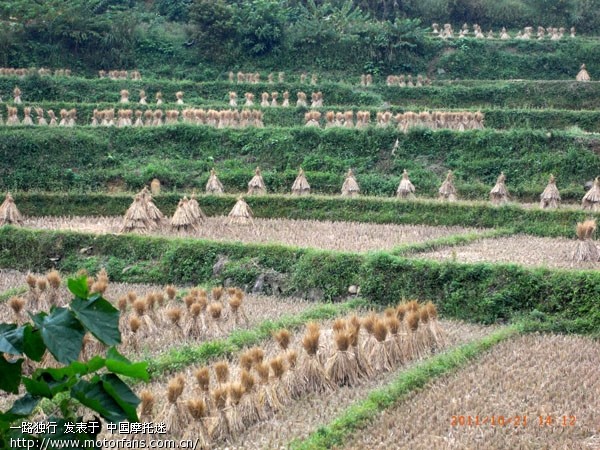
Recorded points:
(83, 159)
(341, 37)
(260, 25)
(213, 27)
(94, 384)
(483, 292)
(88, 31)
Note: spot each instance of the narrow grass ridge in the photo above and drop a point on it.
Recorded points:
(449, 241)
(12, 292)
(359, 415)
(178, 358)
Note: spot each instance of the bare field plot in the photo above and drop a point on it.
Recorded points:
(344, 236)
(533, 251)
(11, 279)
(554, 377)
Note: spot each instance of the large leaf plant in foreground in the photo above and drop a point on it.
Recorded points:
(95, 384)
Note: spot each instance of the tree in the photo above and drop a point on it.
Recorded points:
(212, 25)
(260, 25)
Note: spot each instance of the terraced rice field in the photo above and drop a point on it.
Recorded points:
(556, 253)
(550, 380)
(343, 236)
(304, 416)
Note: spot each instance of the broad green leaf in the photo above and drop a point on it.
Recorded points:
(117, 363)
(24, 406)
(33, 344)
(94, 364)
(78, 286)
(10, 375)
(38, 318)
(99, 317)
(11, 339)
(93, 395)
(121, 393)
(62, 334)
(37, 388)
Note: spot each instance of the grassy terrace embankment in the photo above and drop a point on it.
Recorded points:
(558, 94)
(533, 221)
(59, 159)
(475, 292)
(495, 118)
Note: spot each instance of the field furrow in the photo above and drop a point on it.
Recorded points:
(556, 253)
(551, 380)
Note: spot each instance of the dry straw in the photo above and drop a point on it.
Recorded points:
(236, 307)
(17, 304)
(241, 213)
(311, 373)
(278, 387)
(235, 393)
(214, 186)
(174, 413)
(393, 343)
(550, 198)
(282, 337)
(198, 411)
(301, 186)
(182, 220)
(9, 213)
(447, 191)
(379, 357)
(256, 186)
(250, 410)
(342, 368)
(350, 187)
(354, 326)
(136, 218)
(499, 193)
(586, 249)
(406, 189)
(220, 429)
(591, 200)
(222, 372)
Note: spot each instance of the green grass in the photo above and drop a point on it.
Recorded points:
(178, 358)
(449, 241)
(480, 214)
(86, 159)
(359, 415)
(12, 292)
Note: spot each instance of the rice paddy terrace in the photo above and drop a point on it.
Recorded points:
(367, 269)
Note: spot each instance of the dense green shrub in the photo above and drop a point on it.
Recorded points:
(488, 292)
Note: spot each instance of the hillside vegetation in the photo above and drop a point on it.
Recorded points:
(338, 37)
